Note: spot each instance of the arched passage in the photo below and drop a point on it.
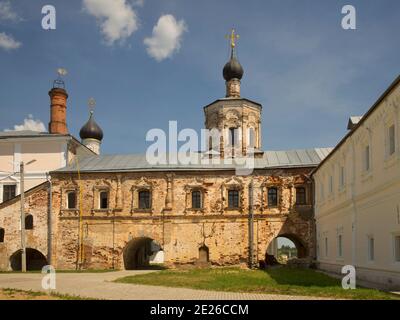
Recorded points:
(281, 249)
(141, 252)
(35, 260)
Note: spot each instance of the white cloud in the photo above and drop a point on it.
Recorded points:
(8, 42)
(7, 13)
(117, 18)
(29, 124)
(166, 38)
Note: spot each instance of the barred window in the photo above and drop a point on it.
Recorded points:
(9, 191)
(71, 200)
(29, 222)
(233, 198)
(272, 197)
(301, 195)
(144, 199)
(196, 199)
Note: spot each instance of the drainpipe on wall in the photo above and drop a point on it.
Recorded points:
(251, 225)
(49, 221)
(354, 211)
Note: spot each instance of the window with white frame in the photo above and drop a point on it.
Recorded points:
(330, 184)
(321, 192)
(340, 246)
(391, 140)
(367, 158)
(397, 248)
(326, 246)
(371, 248)
(103, 200)
(9, 191)
(341, 177)
(71, 200)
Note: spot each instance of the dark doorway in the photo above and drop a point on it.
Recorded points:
(138, 253)
(204, 254)
(35, 260)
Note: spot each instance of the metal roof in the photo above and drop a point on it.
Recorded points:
(27, 134)
(199, 161)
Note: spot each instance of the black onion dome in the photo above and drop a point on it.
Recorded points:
(91, 130)
(233, 69)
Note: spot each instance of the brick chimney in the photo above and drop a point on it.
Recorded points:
(58, 111)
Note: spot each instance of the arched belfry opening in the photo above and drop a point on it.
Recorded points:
(35, 260)
(140, 253)
(285, 247)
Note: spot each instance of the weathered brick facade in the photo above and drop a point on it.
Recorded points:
(180, 230)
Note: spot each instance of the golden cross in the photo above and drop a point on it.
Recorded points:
(91, 104)
(233, 37)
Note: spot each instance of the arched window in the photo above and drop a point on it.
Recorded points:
(196, 199)
(144, 199)
(301, 195)
(29, 222)
(252, 138)
(71, 200)
(233, 136)
(233, 198)
(1, 235)
(272, 197)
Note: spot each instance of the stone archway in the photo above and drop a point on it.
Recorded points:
(302, 250)
(139, 252)
(35, 260)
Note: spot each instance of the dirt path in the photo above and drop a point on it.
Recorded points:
(100, 286)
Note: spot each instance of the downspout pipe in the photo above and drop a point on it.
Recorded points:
(49, 221)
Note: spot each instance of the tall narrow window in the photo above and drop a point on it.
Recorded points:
(71, 200)
(341, 177)
(196, 199)
(1, 235)
(371, 248)
(252, 138)
(340, 246)
(392, 140)
(29, 222)
(326, 247)
(367, 163)
(233, 198)
(301, 196)
(397, 248)
(233, 136)
(272, 197)
(144, 199)
(103, 200)
(9, 191)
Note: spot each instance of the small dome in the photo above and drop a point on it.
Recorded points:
(91, 130)
(233, 69)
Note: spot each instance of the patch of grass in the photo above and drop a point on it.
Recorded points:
(29, 294)
(282, 280)
(65, 271)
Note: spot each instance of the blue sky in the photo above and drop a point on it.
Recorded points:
(307, 72)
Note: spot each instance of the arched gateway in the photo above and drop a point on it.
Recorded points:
(35, 260)
(140, 252)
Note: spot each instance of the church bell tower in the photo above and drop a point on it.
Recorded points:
(237, 119)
